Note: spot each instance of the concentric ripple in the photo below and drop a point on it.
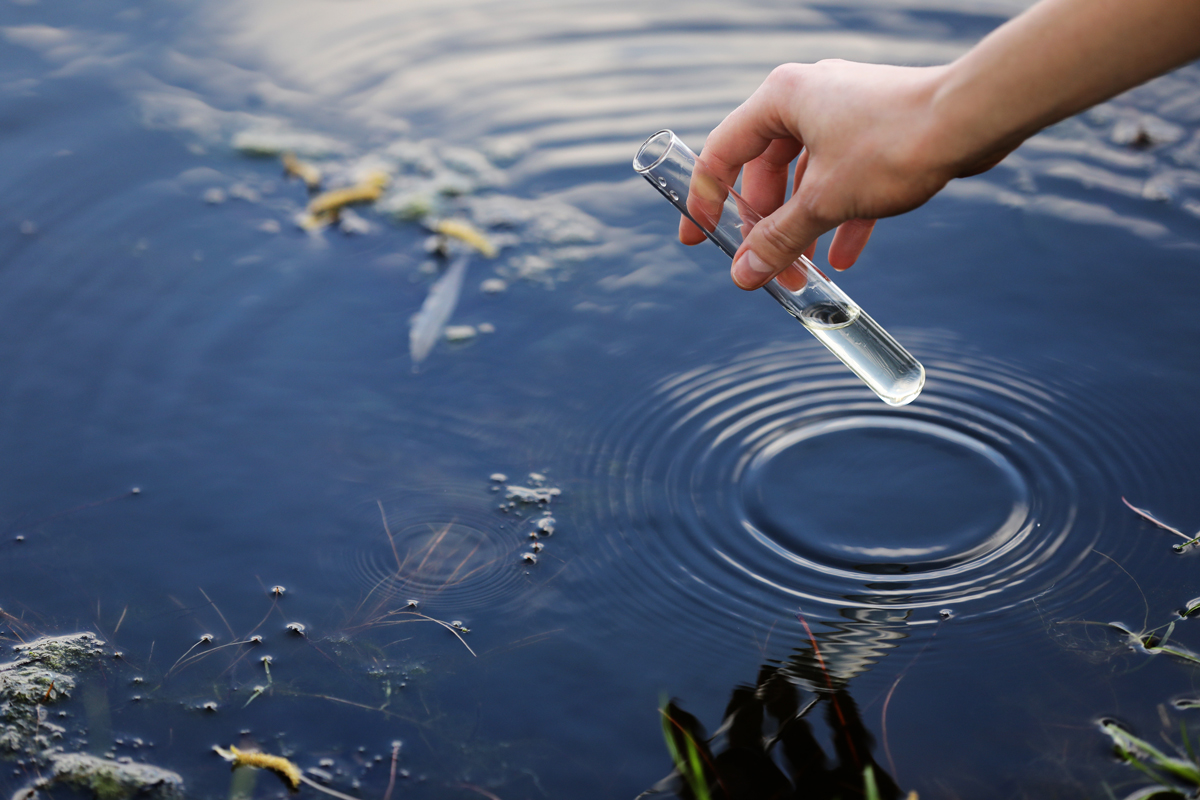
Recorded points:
(445, 552)
(745, 489)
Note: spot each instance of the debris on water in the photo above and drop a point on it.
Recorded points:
(296, 628)
(945, 613)
(473, 164)
(295, 168)
(352, 224)
(277, 591)
(526, 494)
(498, 477)
(411, 202)
(535, 268)
(506, 149)
(1146, 515)
(243, 192)
(324, 208)
(493, 286)
(457, 624)
(545, 526)
(321, 775)
(536, 547)
(273, 142)
(427, 324)
(107, 779)
(214, 196)
(1145, 131)
(529, 558)
(20, 537)
(460, 333)
(210, 706)
(548, 220)
(411, 604)
(466, 232)
(288, 772)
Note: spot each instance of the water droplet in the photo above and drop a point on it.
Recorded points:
(662, 181)
(672, 193)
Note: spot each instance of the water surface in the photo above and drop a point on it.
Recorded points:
(165, 325)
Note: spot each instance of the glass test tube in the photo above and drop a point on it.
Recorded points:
(802, 289)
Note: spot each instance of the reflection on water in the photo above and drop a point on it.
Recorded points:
(768, 748)
(165, 325)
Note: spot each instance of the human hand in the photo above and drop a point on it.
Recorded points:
(866, 143)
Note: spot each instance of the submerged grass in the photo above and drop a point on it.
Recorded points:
(687, 759)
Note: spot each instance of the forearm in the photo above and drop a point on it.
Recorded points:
(1056, 59)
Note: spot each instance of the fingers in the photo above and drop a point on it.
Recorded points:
(689, 233)
(775, 243)
(848, 242)
(754, 126)
(764, 180)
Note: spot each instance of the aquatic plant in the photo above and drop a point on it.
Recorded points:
(685, 752)
(1167, 771)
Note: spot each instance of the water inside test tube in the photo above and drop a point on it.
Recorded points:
(866, 349)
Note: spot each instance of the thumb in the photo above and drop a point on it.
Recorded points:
(774, 243)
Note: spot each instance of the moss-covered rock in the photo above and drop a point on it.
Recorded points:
(38, 676)
(114, 780)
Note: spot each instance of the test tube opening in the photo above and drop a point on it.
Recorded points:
(653, 151)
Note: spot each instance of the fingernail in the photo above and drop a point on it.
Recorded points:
(749, 270)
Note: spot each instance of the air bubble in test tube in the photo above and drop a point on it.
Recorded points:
(824, 309)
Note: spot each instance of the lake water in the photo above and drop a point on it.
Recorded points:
(725, 486)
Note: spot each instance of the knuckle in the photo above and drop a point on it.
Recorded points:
(779, 239)
(786, 76)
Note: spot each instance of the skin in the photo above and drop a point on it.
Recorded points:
(873, 141)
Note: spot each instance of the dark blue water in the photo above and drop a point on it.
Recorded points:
(719, 471)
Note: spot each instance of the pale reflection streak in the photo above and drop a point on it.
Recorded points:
(572, 77)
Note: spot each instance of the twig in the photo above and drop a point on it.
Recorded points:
(1146, 515)
(1138, 586)
(122, 619)
(445, 625)
(58, 514)
(392, 777)
(470, 787)
(331, 792)
(228, 627)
